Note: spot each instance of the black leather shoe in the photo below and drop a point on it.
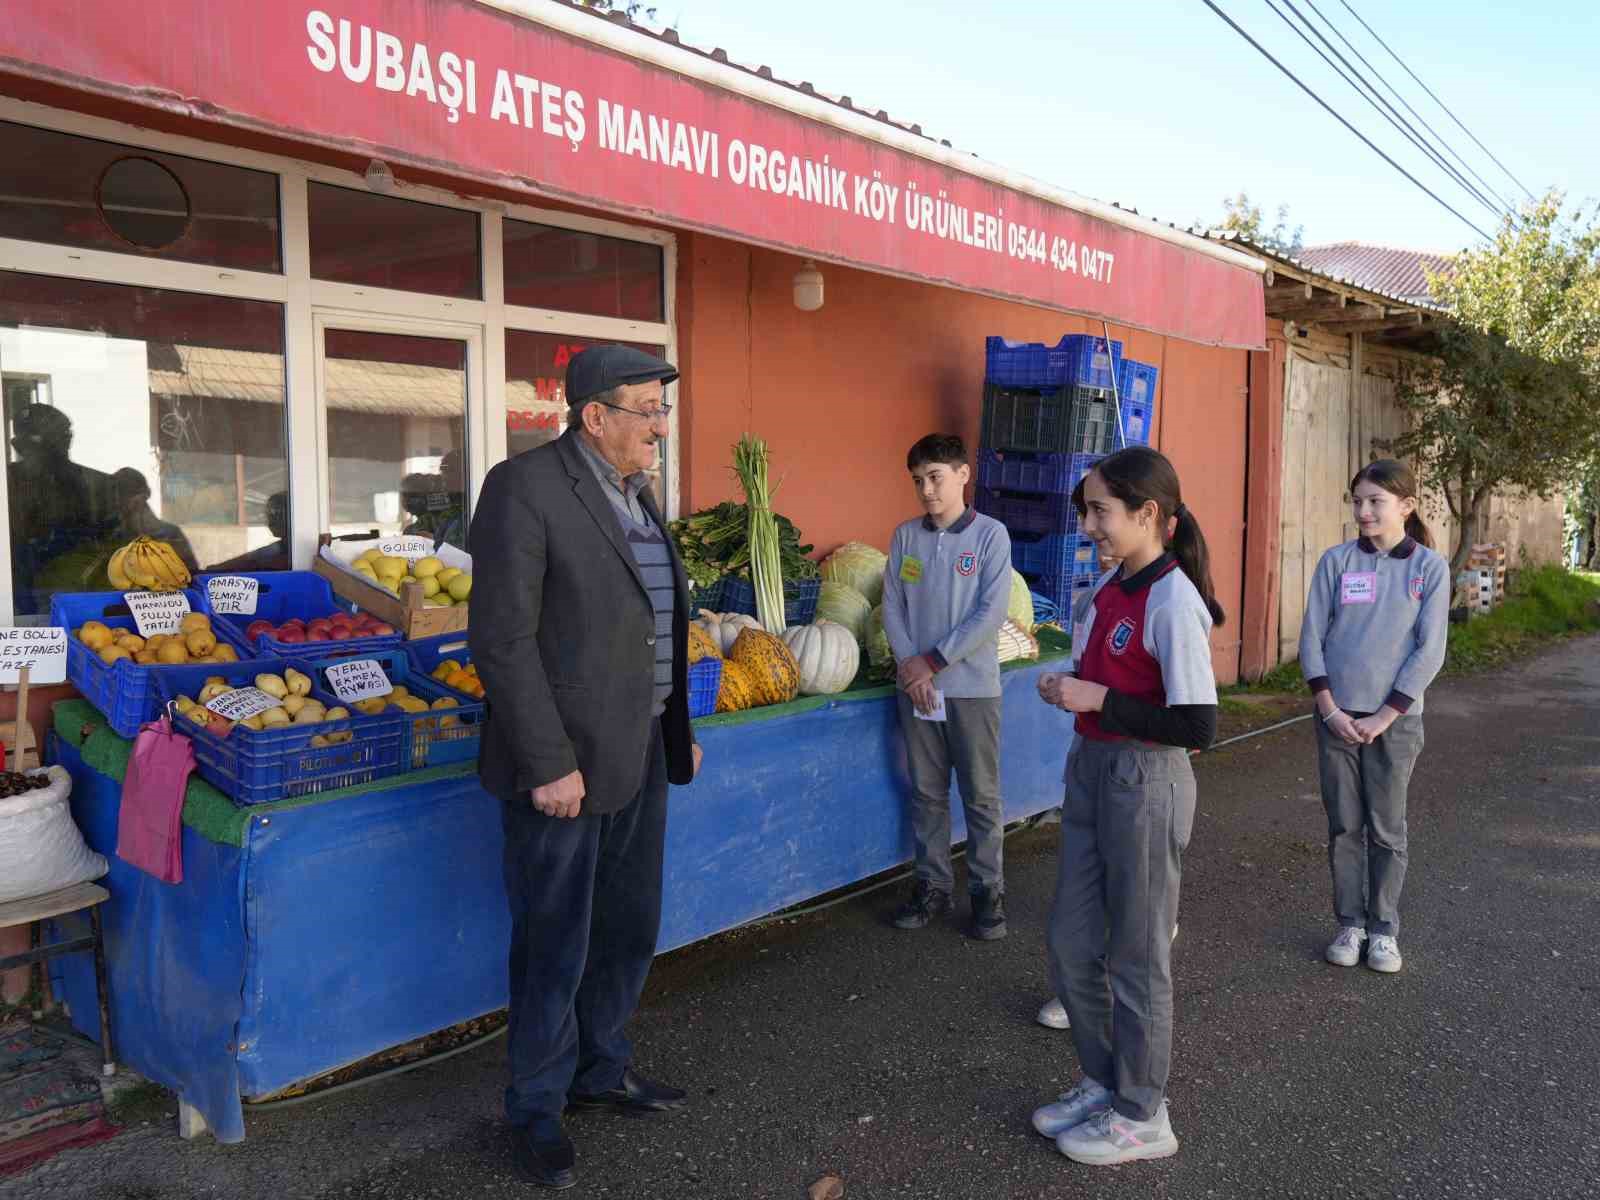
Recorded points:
(543, 1154)
(635, 1096)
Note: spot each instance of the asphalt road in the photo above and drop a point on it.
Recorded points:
(908, 1063)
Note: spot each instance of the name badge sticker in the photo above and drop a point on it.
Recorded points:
(1358, 587)
(910, 570)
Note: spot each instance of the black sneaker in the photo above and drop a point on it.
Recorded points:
(988, 915)
(926, 903)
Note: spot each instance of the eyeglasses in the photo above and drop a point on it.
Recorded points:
(654, 414)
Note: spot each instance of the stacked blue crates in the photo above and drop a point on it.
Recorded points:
(1049, 414)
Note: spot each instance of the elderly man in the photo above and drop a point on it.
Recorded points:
(579, 631)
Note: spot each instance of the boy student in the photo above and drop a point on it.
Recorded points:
(945, 591)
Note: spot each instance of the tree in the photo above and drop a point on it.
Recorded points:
(1507, 403)
(1242, 217)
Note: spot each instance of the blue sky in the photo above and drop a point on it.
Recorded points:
(1158, 105)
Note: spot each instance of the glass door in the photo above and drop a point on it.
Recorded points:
(394, 404)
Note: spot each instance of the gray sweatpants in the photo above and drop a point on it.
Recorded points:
(1364, 791)
(967, 740)
(1126, 819)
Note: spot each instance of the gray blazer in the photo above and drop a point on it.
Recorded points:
(563, 635)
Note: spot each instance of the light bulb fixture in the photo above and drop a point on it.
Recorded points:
(808, 287)
(380, 178)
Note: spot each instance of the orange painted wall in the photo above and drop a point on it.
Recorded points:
(840, 394)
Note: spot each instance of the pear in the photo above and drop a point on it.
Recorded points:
(272, 685)
(299, 684)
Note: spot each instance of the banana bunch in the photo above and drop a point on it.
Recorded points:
(149, 564)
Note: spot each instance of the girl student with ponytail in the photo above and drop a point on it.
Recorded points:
(1372, 641)
(1143, 691)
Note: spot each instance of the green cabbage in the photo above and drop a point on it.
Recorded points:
(857, 565)
(1020, 607)
(878, 653)
(841, 603)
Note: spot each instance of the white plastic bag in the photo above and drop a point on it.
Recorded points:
(41, 849)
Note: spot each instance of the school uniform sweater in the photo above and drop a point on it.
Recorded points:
(1375, 625)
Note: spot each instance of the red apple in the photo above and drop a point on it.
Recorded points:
(256, 628)
(382, 629)
(318, 635)
(320, 624)
(340, 634)
(291, 633)
(219, 726)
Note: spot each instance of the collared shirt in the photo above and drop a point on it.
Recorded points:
(1376, 624)
(1148, 636)
(623, 493)
(945, 593)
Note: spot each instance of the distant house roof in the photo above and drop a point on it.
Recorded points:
(1386, 269)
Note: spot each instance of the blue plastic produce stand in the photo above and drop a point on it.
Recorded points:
(338, 929)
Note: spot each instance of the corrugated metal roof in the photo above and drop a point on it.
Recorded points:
(1332, 273)
(1385, 269)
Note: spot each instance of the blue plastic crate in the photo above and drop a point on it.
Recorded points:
(1136, 388)
(1077, 359)
(427, 653)
(1021, 471)
(122, 692)
(1024, 514)
(705, 681)
(800, 598)
(1055, 556)
(286, 594)
(262, 767)
(428, 741)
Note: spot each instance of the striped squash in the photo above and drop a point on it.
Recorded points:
(770, 664)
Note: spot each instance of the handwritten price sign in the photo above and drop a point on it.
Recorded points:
(40, 649)
(407, 548)
(157, 612)
(241, 703)
(361, 679)
(233, 594)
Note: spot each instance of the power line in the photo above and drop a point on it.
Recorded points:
(1438, 101)
(1332, 112)
(1378, 104)
(1508, 205)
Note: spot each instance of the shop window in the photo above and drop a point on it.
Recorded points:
(536, 374)
(77, 191)
(396, 407)
(134, 411)
(382, 241)
(573, 271)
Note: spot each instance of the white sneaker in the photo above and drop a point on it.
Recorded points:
(1345, 950)
(1110, 1138)
(1384, 954)
(1054, 1015)
(1086, 1100)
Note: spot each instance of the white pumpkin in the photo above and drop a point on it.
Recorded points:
(725, 628)
(828, 654)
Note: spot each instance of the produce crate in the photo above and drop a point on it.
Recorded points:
(286, 594)
(1075, 359)
(276, 764)
(427, 653)
(1055, 556)
(800, 598)
(1071, 420)
(1136, 389)
(1137, 421)
(1020, 471)
(705, 681)
(1023, 514)
(123, 692)
(1093, 425)
(405, 612)
(427, 742)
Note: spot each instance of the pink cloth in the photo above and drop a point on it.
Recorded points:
(150, 827)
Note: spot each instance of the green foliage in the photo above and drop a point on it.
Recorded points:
(1242, 217)
(1545, 603)
(1508, 402)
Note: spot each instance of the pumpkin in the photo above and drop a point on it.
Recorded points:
(701, 643)
(843, 605)
(827, 655)
(1016, 642)
(770, 664)
(724, 628)
(737, 691)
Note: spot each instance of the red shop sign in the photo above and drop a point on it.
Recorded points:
(463, 88)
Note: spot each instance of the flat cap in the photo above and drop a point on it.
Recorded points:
(601, 368)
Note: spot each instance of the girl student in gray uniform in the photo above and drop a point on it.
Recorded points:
(1372, 641)
(1144, 694)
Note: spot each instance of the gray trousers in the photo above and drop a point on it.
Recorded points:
(1125, 822)
(1364, 791)
(968, 740)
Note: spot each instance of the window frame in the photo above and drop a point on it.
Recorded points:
(306, 301)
